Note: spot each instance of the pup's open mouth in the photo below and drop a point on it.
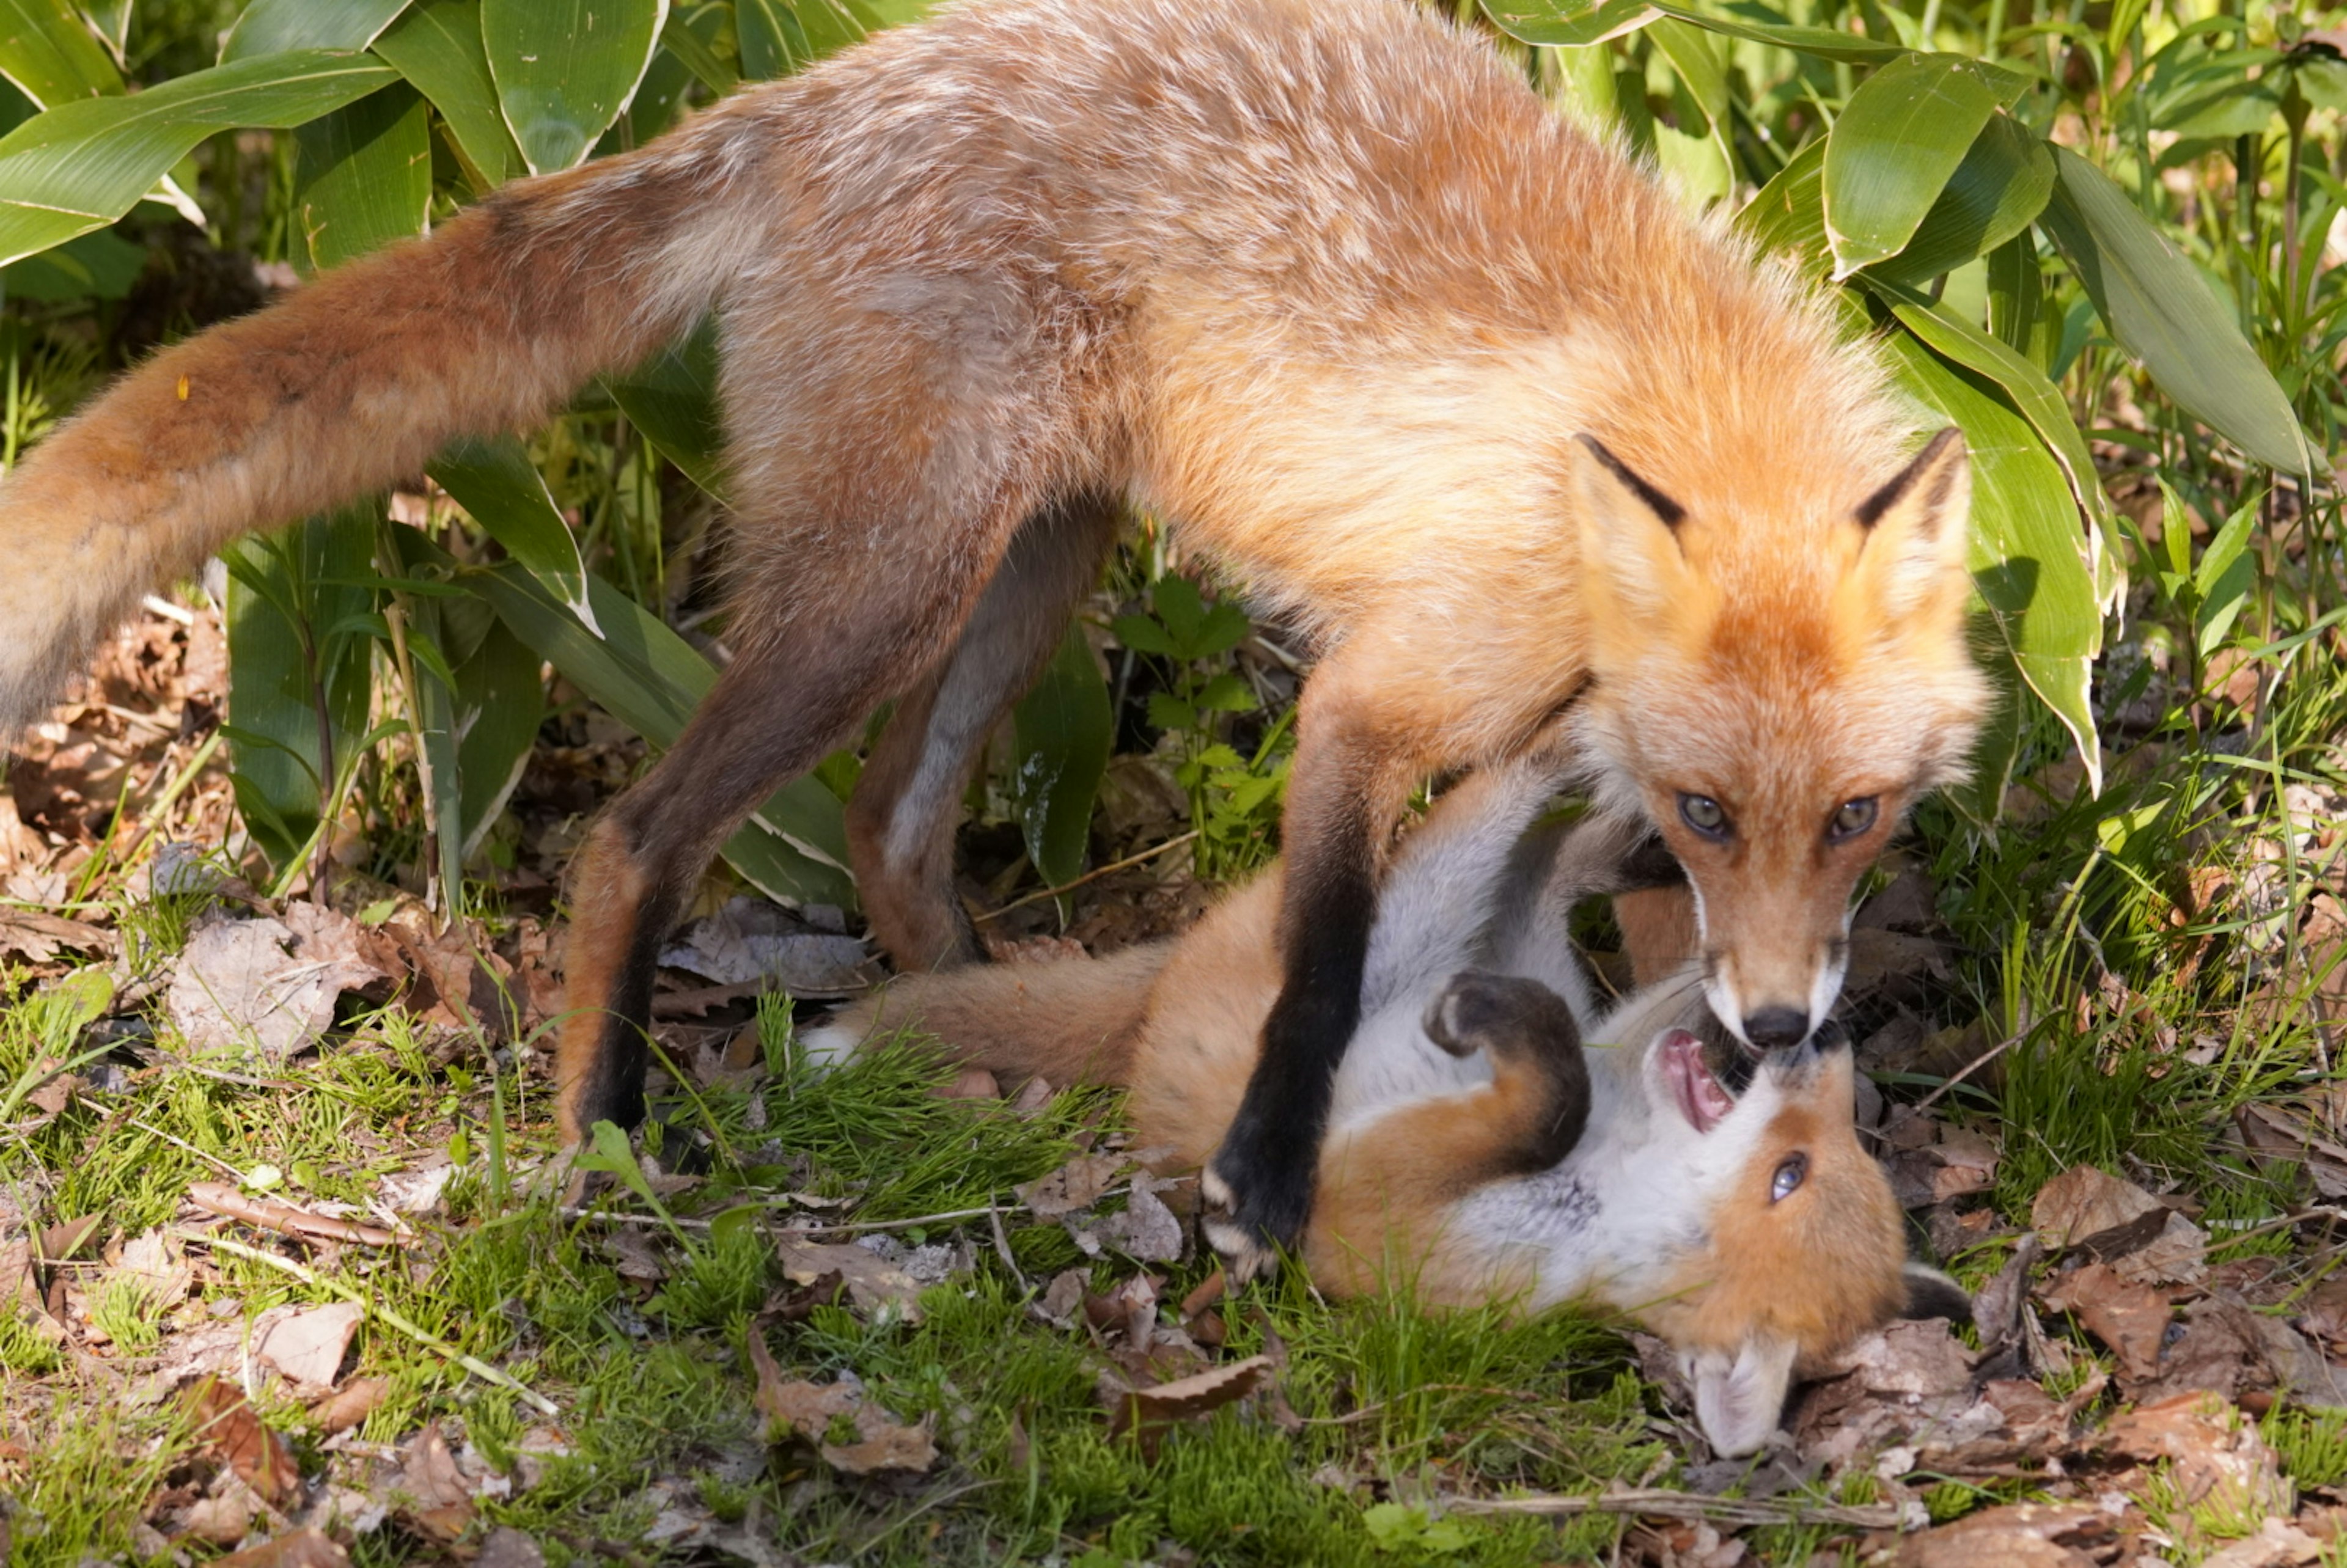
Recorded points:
(1701, 1097)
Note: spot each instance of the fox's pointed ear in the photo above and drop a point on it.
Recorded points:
(1630, 556)
(1930, 1294)
(1917, 528)
(1740, 1401)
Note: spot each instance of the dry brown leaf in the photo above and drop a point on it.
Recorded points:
(2132, 1319)
(506, 1547)
(635, 1254)
(2279, 1543)
(227, 1426)
(2216, 1456)
(1064, 1296)
(457, 982)
(222, 1521)
(1078, 1184)
(875, 1286)
(2086, 1207)
(295, 1549)
(353, 1402)
(262, 982)
(883, 1447)
(157, 1264)
(2178, 1255)
(36, 937)
(67, 1237)
(269, 1213)
(440, 1499)
(2016, 1535)
(1186, 1398)
(309, 1346)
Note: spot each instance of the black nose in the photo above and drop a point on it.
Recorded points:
(1773, 1029)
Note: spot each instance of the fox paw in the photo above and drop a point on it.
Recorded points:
(1249, 1220)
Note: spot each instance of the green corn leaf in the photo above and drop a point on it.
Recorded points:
(50, 56)
(773, 43)
(1901, 136)
(501, 489)
(831, 25)
(1824, 43)
(564, 69)
(500, 701)
(1062, 733)
(2226, 574)
(274, 27)
(681, 39)
(84, 164)
(2003, 183)
(649, 678)
(362, 175)
(99, 265)
(2026, 557)
(2158, 310)
(436, 46)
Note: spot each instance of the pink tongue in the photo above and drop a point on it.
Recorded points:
(1701, 1099)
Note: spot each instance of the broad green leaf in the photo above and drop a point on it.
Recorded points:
(494, 480)
(286, 592)
(2037, 399)
(111, 21)
(672, 400)
(1697, 60)
(2226, 575)
(500, 700)
(831, 25)
(1568, 22)
(80, 166)
(564, 69)
(1825, 43)
(1062, 731)
(274, 27)
(362, 175)
(2001, 184)
(649, 678)
(436, 46)
(50, 56)
(1902, 135)
(682, 39)
(2015, 292)
(97, 266)
(2158, 310)
(2026, 557)
(1788, 215)
(772, 42)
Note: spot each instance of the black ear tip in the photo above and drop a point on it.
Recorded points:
(1930, 1294)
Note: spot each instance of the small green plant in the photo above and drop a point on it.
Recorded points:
(1404, 1528)
(126, 1309)
(2310, 1444)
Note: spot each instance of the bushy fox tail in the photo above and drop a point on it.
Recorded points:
(353, 382)
(1067, 1020)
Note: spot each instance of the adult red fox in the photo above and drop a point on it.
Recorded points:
(1475, 1150)
(1322, 281)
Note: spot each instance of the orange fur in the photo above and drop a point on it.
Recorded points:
(1320, 279)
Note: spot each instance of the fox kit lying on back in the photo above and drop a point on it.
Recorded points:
(1474, 1150)
(1321, 281)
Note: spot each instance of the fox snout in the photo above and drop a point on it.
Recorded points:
(1771, 975)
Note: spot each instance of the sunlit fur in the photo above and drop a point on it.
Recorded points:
(1320, 281)
(1418, 1184)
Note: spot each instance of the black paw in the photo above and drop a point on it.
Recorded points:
(1504, 1014)
(1258, 1198)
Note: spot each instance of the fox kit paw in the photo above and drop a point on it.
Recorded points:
(1507, 1015)
(1251, 1210)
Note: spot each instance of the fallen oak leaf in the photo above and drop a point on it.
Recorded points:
(269, 1213)
(873, 1286)
(2132, 1319)
(345, 1408)
(2088, 1207)
(884, 1446)
(227, 1424)
(441, 1500)
(1142, 1410)
(36, 935)
(1078, 1184)
(305, 1548)
(309, 1346)
(793, 1407)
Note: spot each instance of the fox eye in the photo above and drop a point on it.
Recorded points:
(1852, 818)
(1703, 814)
(1790, 1172)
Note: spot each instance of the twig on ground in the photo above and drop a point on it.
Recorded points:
(1974, 1065)
(1665, 1503)
(269, 1213)
(1131, 860)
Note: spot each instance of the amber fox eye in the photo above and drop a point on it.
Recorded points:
(1703, 814)
(1791, 1171)
(1852, 818)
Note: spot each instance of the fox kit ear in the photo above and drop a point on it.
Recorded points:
(1917, 527)
(1740, 1401)
(1630, 554)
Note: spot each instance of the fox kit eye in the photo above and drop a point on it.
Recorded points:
(1703, 814)
(1852, 818)
(1790, 1172)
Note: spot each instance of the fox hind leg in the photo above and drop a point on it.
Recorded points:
(908, 801)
